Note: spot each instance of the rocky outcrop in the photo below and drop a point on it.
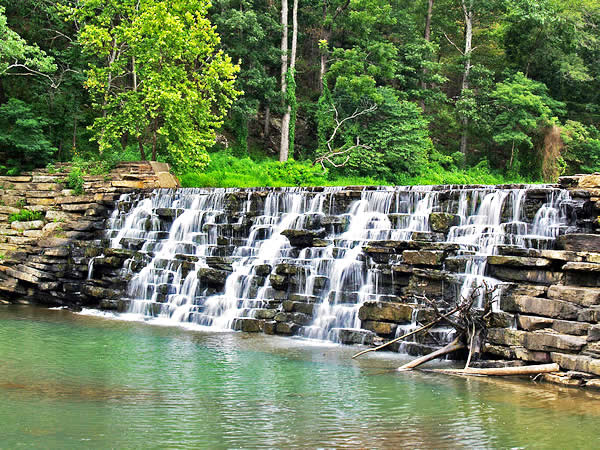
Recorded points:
(46, 261)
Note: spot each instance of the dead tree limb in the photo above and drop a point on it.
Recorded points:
(331, 153)
(456, 344)
(504, 371)
(412, 333)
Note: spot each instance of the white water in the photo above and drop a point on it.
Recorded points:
(337, 276)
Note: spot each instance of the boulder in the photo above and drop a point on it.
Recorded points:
(212, 277)
(247, 324)
(386, 312)
(303, 238)
(382, 328)
(423, 257)
(441, 222)
(351, 336)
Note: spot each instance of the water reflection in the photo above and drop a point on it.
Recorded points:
(69, 380)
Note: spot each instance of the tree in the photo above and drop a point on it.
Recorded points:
(22, 139)
(248, 30)
(288, 81)
(17, 57)
(159, 76)
(522, 109)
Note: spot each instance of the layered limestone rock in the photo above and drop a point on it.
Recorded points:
(47, 261)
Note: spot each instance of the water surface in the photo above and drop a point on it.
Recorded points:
(69, 381)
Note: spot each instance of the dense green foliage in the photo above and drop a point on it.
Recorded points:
(382, 92)
(25, 215)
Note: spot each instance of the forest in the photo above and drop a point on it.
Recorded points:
(296, 92)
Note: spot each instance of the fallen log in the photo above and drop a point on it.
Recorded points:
(404, 336)
(503, 371)
(456, 344)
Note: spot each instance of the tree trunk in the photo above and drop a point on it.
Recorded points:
(468, 13)
(505, 371)
(325, 36)
(284, 43)
(154, 131)
(427, 36)
(456, 344)
(141, 147)
(267, 131)
(285, 122)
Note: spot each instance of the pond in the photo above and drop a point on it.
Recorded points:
(70, 380)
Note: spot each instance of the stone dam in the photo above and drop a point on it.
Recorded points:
(354, 265)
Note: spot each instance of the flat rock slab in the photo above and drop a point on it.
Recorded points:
(31, 225)
(556, 309)
(518, 261)
(574, 294)
(579, 242)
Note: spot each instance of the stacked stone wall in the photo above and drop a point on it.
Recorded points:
(46, 261)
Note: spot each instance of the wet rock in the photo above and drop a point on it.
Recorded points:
(265, 314)
(286, 328)
(517, 261)
(441, 222)
(269, 327)
(350, 336)
(262, 269)
(383, 328)
(303, 238)
(212, 277)
(279, 282)
(247, 325)
(287, 269)
(423, 257)
(578, 242)
(385, 312)
(294, 306)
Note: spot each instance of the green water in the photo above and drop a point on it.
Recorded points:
(69, 381)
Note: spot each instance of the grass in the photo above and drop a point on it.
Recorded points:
(226, 170)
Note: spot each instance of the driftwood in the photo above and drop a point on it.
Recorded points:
(412, 333)
(456, 344)
(471, 331)
(503, 371)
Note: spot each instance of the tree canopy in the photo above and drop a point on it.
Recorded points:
(376, 88)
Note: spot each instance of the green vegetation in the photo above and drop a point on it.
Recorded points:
(226, 170)
(355, 91)
(25, 215)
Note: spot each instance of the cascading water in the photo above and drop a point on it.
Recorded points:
(213, 257)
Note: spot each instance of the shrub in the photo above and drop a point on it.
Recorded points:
(25, 215)
(75, 180)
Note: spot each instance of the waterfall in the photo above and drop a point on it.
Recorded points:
(215, 256)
